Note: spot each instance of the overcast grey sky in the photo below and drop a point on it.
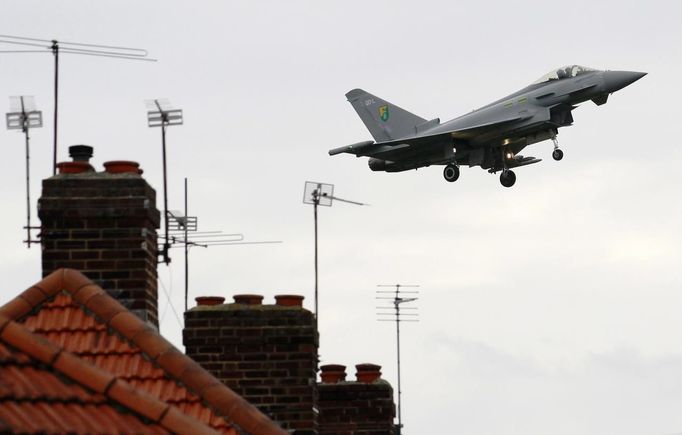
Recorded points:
(550, 307)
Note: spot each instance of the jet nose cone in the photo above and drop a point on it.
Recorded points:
(615, 80)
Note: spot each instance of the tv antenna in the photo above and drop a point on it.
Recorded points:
(320, 194)
(391, 313)
(180, 227)
(24, 116)
(35, 45)
(161, 114)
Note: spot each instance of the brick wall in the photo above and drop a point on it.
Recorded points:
(361, 407)
(104, 225)
(266, 353)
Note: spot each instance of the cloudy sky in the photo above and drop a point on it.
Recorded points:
(550, 307)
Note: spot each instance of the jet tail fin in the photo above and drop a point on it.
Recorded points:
(385, 121)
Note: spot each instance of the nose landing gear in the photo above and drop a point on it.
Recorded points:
(557, 154)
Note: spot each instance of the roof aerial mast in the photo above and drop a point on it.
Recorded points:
(320, 194)
(161, 114)
(35, 45)
(393, 314)
(24, 116)
(182, 230)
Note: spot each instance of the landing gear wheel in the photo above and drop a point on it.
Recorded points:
(557, 154)
(451, 173)
(507, 178)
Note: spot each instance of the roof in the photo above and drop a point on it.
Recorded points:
(45, 389)
(80, 319)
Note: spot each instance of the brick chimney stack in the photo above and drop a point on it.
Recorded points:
(361, 407)
(266, 353)
(104, 225)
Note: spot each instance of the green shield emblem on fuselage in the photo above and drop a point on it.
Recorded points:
(383, 113)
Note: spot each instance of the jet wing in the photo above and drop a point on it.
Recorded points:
(393, 150)
(383, 150)
(470, 131)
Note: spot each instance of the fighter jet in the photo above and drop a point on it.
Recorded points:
(490, 137)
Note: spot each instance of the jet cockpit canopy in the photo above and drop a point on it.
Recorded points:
(564, 73)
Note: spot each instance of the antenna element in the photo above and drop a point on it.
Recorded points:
(24, 116)
(393, 314)
(162, 115)
(320, 194)
(55, 47)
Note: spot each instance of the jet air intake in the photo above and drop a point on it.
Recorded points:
(378, 164)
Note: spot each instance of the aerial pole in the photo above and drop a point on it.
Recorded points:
(395, 316)
(320, 194)
(397, 336)
(181, 225)
(166, 243)
(24, 116)
(28, 184)
(316, 202)
(186, 250)
(162, 115)
(55, 52)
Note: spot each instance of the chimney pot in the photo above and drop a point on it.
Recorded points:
(80, 153)
(332, 373)
(289, 300)
(248, 299)
(74, 167)
(209, 300)
(368, 373)
(122, 167)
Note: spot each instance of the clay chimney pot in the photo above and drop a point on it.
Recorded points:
(122, 167)
(368, 373)
(289, 300)
(332, 373)
(209, 300)
(247, 299)
(74, 167)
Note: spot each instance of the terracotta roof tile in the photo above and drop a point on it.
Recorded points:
(24, 382)
(93, 342)
(80, 317)
(34, 296)
(94, 378)
(34, 345)
(34, 398)
(127, 324)
(62, 320)
(152, 343)
(43, 417)
(169, 392)
(128, 366)
(145, 404)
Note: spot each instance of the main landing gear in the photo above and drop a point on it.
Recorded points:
(507, 178)
(451, 172)
(557, 154)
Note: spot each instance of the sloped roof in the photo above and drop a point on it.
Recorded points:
(44, 389)
(74, 314)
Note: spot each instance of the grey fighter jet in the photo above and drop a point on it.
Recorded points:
(490, 137)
